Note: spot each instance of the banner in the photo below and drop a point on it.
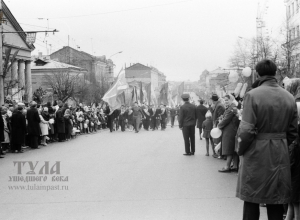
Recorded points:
(119, 86)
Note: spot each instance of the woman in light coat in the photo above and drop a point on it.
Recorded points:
(44, 125)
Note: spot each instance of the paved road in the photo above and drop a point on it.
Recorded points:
(122, 176)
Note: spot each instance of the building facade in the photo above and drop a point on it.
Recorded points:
(146, 74)
(43, 69)
(99, 69)
(17, 82)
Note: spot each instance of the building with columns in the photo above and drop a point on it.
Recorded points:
(17, 82)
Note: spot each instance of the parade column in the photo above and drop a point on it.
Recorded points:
(28, 86)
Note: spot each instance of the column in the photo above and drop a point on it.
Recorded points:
(28, 85)
(21, 78)
(14, 79)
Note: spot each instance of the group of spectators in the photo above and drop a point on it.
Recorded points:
(260, 140)
(25, 125)
(30, 124)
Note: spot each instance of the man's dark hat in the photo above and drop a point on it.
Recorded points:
(215, 97)
(185, 96)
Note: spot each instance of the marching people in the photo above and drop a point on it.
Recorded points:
(122, 118)
(1, 136)
(201, 111)
(157, 117)
(152, 111)
(264, 175)
(6, 129)
(163, 117)
(187, 121)
(146, 117)
(173, 114)
(136, 116)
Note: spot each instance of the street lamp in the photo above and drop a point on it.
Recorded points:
(115, 54)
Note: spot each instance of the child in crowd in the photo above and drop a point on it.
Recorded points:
(207, 127)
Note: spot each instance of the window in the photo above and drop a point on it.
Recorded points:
(292, 8)
(289, 11)
(297, 6)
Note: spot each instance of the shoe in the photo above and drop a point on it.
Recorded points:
(234, 169)
(200, 138)
(187, 154)
(224, 170)
(20, 151)
(192, 153)
(206, 154)
(215, 156)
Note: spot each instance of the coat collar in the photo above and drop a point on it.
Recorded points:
(267, 80)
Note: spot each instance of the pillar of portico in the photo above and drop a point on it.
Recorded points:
(14, 79)
(28, 86)
(21, 78)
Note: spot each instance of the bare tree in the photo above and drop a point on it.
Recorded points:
(65, 84)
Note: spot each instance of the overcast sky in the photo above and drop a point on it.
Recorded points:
(179, 37)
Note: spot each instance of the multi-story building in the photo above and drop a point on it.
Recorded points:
(146, 74)
(293, 35)
(99, 69)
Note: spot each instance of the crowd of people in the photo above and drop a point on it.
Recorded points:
(31, 125)
(259, 139)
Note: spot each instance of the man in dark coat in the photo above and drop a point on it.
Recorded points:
(18, 130)
(173, 113)
(152, 117)
(268, 127)
(34, 120)
(163, 117)
(201, 111)
(60, 123)
(187, 121)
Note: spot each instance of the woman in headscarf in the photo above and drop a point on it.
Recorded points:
(229, 126)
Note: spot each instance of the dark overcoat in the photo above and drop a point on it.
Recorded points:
(218, 110)
(187, 115)
(18, 128)
(1, 129)
(34, 120)
(268, 126)
(201, 111)
(60, 121)
(229, 126)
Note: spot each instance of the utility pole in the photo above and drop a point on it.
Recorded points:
(1, 57)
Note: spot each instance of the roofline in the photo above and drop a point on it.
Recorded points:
(15, 24)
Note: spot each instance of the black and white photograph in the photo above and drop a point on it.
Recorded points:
(150, 110)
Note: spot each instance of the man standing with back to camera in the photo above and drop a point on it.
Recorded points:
(268, 126)
(187, 121)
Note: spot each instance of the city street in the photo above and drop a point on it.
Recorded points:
(121, 175)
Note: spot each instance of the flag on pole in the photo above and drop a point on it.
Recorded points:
(141, 93)
(164, 94)
(148, 91)
(119, 86)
